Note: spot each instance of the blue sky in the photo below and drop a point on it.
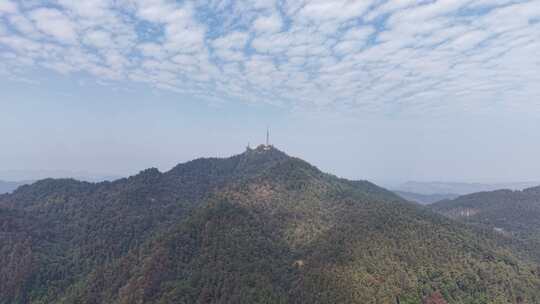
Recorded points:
(377, 89)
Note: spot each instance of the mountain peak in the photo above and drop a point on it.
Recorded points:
(206, 174)
(263, 222)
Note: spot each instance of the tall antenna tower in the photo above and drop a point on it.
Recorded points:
(267, 136)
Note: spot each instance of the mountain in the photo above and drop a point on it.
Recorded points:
(27, 177)
(258, 227)
(6, 187)
(512, 213)
(32, 175)
(425, 199)
(457, 189)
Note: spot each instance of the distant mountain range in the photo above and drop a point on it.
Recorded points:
(515, 214)
(258, 227)
(32, 175)
(456, 188)
(9, 186)
(425, 199)
(430, 192)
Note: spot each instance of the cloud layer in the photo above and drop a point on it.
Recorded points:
(350, 55)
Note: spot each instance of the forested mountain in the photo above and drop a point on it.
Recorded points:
(259, 227)
(514, 214)
(458, 188)
(6, 187)
(425, 199)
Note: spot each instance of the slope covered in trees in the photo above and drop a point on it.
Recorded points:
(259, 227)
(513, 214)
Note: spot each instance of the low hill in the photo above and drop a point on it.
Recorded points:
(511, 213)
(425, 199)
(259, 227)
(458, 188)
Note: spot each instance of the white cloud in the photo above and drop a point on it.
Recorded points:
(235, 40)
(155, 10)
(182, 38)
(87, 8)
(261, 4)
(338, 9)
(358, 33)
(353, 40)
(153, 50)
(469, 40)
(20, 44)
(166, 13)
(98, 39)
(270, 23)
(23, 25)
(300, 53)
(181, 32)
(276, 43)
(231, 46)
(7, 7)
(424, 12)
(55, 24)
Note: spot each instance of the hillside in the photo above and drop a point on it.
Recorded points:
(259, 227)
(515, 214)
(6, 187)
(425, 199)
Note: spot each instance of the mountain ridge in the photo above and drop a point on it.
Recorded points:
(514, 213)
(458, 188)
(258, 227)
(425, 199)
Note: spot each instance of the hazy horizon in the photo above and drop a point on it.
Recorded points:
(395, 152)
(113, 87)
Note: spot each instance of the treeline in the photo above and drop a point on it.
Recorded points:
(260, 227)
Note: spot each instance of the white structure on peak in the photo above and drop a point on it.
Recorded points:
(268, 145)
(262, 147)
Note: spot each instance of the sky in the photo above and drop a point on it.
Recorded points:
(385, 90)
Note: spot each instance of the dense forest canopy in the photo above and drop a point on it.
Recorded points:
(259, 227)
(513, 214)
